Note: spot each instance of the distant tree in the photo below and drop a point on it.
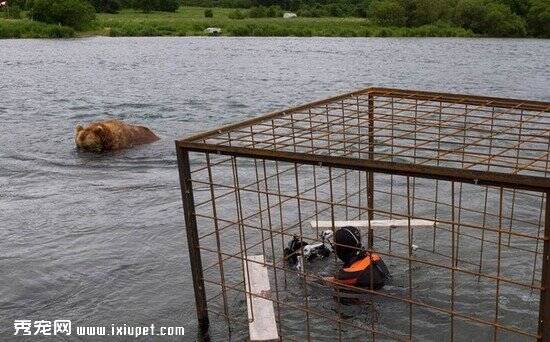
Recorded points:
(106, 6)
(361, 9)
(503, 23)
(409, 6)
(145, 6)
(519, 7)
(73, 13)
(10, 11)
(274, 11)
(157, 5)
(24, 5)
(208, 13)
(234, 3)
(429, 12)
(538, 18)
(336, 10)
(471, 14)
(491, 18)
(310, 11)
(387, 13)
(167, 5)
(126, 3)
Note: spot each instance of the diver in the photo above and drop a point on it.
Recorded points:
(359, 265)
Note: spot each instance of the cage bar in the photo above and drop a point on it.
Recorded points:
(477, 167)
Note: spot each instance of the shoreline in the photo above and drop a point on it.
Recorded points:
(27, 29)
(190, 22)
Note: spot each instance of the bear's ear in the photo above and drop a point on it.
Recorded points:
(100, 132)
(79, 128)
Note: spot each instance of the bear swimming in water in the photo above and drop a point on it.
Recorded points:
(112, 135)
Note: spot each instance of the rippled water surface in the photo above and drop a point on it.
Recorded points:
(99, 238)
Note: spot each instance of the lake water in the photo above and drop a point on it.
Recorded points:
(100, 239)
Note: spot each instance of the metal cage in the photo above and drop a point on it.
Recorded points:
(476, 166)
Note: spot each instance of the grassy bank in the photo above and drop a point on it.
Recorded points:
(190, 21)
(25, 28)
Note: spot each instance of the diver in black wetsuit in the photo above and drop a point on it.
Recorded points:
(359, 265)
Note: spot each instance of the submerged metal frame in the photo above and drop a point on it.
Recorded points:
(529, 176)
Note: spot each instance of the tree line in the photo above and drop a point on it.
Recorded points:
(103, 6)
(497, 18)
(500, 18)
(78, 14)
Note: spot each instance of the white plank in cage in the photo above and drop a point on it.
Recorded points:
(261, 315)
(373, 223)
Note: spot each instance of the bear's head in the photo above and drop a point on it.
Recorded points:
(90, 138)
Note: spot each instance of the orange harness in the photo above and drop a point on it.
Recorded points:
(360, 265)
(357, 266)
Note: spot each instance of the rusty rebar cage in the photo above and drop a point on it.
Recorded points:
(476, 166)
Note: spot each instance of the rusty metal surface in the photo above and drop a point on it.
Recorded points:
(505, 136)
(414, 94)
(425, 171)
(193, 239)
(544, 308)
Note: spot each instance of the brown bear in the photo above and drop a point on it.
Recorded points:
(112, 135)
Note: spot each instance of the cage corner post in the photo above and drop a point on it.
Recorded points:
(544, 309)
(184, 168)
(370, 174)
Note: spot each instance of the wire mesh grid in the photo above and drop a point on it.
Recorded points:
(475, 166)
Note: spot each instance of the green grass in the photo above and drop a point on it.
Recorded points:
(190, 21)
(25, 28)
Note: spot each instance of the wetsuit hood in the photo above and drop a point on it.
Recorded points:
(347, 244)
